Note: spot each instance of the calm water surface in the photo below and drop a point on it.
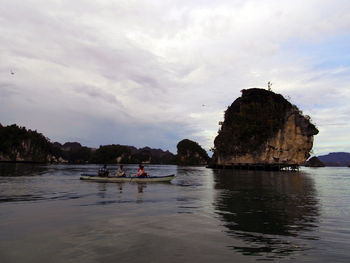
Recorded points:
(48, 215)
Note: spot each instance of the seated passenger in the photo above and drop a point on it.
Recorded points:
(103, 172)
(120, 172)
(141, 172)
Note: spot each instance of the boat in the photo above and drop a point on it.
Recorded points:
(115, 179)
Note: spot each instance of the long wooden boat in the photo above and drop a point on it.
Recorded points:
(115, 179)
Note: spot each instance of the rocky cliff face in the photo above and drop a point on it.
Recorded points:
(262, 127)
(17, 144)
(26, 152)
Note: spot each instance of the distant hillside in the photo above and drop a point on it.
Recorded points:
(314, 162)
(116, 153)
(18, 144)
(72, 152)
(335, 159)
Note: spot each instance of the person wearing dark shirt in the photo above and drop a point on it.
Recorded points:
(103, 172)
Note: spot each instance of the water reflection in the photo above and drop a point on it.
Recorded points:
(120, 187)
(102, 188)
(108, 193)
(21, 169)
(196, 193)
(266, 209)
(13, 180)
(141, 186)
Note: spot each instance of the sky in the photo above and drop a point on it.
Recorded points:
(151, 73)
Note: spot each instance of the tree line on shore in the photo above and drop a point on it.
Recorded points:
(18, 144)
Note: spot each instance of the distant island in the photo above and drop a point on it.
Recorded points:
(314, 162)
(18, 144)
(335, 159)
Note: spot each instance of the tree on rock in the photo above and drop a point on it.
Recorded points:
(191, 153)
(19, 144)
(314, 162)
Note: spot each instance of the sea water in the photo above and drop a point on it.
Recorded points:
(48, 215)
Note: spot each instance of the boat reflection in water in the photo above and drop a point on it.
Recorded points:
(272, 214)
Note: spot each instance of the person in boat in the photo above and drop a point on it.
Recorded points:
(120, 172)
(103, 172)
(141, 172)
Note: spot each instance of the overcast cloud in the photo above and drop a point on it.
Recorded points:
(150, 73)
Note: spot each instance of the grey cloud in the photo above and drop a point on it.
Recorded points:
(145, 80)
(96, 93)
(7, 90)
(121, 65)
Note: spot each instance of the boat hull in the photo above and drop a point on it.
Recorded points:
(94, 178)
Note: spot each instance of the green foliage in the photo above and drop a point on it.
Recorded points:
(129, 154)
(28, 143)
(141, 156)
(251, 119)
(110, 153)
(314, 162)
(78, 155)
(191, 153)
(32, 146)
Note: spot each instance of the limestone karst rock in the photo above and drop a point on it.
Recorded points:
(17, 144)
(262, 127)
(191, 153)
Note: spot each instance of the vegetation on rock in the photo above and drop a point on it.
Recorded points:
(250, 120)
(129, 154)
(191, 153)
(18, 143)
(72, 152)
(314, 162)
(110, 153)
(262, 127)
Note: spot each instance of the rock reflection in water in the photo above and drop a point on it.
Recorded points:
(13, 177)
(273, 213)
(21, 169)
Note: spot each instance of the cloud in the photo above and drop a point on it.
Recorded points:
(96, 93)
(138, 72)
(7, 90)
